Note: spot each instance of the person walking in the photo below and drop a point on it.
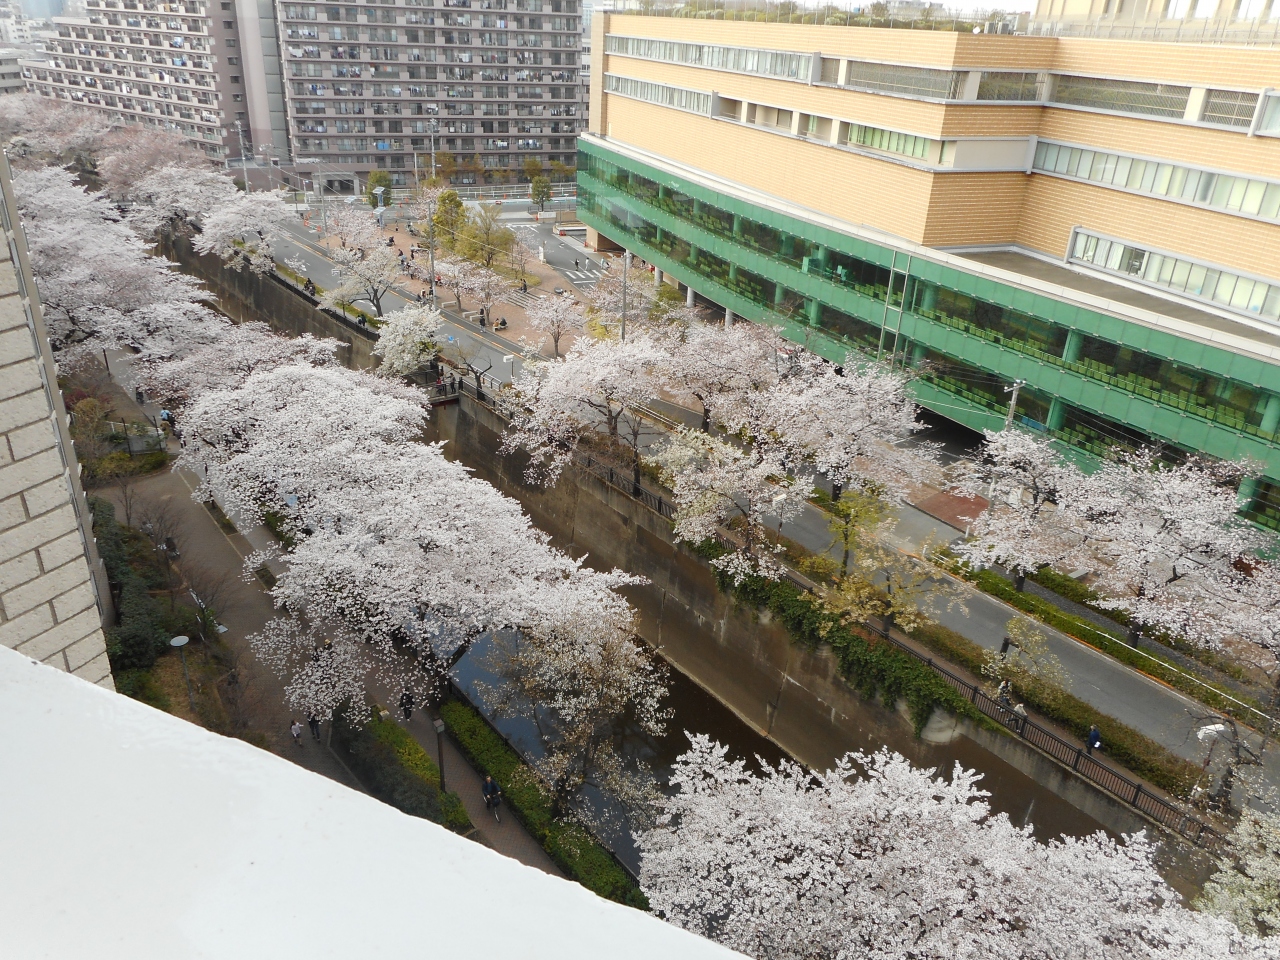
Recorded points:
(1093, 740)
(575, 263)
(314, 723)
(296, 730)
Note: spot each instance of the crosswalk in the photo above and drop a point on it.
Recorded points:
(583, 278)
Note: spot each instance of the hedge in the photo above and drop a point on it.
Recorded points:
(1205, 691)
(569, 844)
(394, 768)
(141, 632)
(869, 664)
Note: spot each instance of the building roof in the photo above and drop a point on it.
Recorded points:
(131, 833)
(1030, 265)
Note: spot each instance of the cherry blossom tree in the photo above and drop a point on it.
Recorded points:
(129, 156)
(619, 287)
(1246, 887)
(1165, 539)
(875, 858)
(598, 390)
(245, 229)
(407, 340)
(38, 130)
(173, 197)
(365, 266)
(241, 350)
(99, 285)
(486, 288)
(401, 582)
(1023, 478)
(555, 318)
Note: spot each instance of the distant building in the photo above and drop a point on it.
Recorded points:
(1094, 221)
(11, 72)
(1243, 20)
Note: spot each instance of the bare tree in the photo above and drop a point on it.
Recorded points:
(160, 523)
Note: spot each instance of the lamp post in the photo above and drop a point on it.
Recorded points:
(181, 644)
(511, 359)
(439, 725)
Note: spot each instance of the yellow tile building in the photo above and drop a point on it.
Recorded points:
(1096, 218)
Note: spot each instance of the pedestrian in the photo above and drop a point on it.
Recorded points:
(314, 723)
(524, 286)
(1002, 692)
(575, 263)
(296, 730)
(406, 704)
(1093, 741)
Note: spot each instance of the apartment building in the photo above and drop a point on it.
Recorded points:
(140, 61)
(1096, 221)
(491, 84)
(1232, 20)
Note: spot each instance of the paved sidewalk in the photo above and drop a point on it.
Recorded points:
(204, 543)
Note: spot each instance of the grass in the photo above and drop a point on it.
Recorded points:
(569, 844)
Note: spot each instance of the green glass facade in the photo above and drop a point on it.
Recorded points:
(1093, 381)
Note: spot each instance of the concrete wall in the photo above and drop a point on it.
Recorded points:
(49, 606)
(791, 693)
(246, 296)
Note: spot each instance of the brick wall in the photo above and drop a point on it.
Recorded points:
(48, 602)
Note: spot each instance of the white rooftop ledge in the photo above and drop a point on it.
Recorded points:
(126, 832)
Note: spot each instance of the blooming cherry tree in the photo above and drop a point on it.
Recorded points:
(875, 858)
(555, 318)
(245, 229)
(365, 266)
(1024, 477)
(407, 340)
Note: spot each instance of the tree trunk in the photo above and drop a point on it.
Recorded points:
(1019, 581)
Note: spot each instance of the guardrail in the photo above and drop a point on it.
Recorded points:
(1125, 789)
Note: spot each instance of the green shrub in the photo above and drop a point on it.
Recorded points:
(141, 632)
(395, 769)
(869, 664)
(568, 844)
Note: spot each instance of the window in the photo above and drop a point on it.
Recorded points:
(1221, 191)
(1195, 278)
(1230, 108)
(230, 42)
(226, 5)
(233, 61)
(659, 93)
(228, 24)
(889, 141)
(1010, 86)
(1125, 96)
(769, 63)
(906, 81)
(1270, 124)
(235, 79)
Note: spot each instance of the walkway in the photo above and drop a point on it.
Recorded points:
(248, 606)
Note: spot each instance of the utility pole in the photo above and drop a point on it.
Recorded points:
(244, 161)
(1013, 401)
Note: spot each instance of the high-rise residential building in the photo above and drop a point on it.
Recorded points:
(52, 585)
(489, 84)
(11, 72)
(142, 61)
(1096, 222)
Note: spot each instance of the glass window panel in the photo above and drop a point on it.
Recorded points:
(1064, 158)
(1164, 173)
(1253, 195)
(1114, 256)
(1258, 297)
(1222, 288)
(1242, 293)
(1181, 272)
(1270, 208)
(1195, 278)
(1238, 187)
(1121, 173)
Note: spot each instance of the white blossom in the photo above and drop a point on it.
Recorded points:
(407, 340)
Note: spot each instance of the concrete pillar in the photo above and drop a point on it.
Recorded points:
(657, 277)
(918, 352)
(928, 296)
(1071, 352)
(728, 318)
(662, 192)
(1271, 414)
(788, 245)
(779, 295)
(697, 208)
(733, 273)
(737, 225)
(1248, 490)
(1057, 413)
(693, 255)
(688, 296)
(814, 310)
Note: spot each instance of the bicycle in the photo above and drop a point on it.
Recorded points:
(494, 802)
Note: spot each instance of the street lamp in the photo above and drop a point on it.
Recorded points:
(181, 644)
(511, 359)
(439, 725)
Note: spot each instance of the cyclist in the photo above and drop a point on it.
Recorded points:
(492, 794)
